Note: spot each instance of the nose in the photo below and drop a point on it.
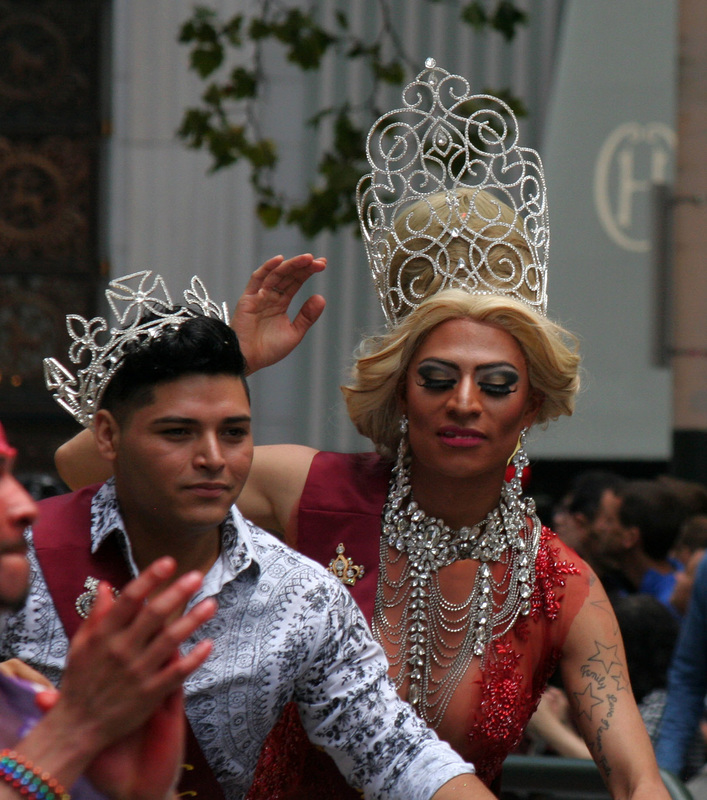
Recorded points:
(21, 508)
(465, 399)
(209, 455)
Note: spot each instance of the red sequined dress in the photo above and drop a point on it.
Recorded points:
(339, 515)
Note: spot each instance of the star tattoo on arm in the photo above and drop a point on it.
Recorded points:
(586, 702)
(606, 656)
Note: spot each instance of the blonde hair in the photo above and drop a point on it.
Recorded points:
(425, 251)
(373, 392)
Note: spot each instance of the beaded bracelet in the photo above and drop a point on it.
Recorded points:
(28, 780)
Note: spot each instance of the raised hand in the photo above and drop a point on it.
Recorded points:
(123, 662)
(261, 319)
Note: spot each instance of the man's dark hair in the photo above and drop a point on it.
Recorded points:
(588, 487)
(655, 511)
(693, 533)
(200, 346)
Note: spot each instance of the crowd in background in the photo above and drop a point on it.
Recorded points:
(646, 540)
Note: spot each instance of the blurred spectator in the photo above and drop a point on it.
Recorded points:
(636, 528)
(691, 494)
(40, 485)
(687, 682)
(576, 515)
(684, 583)
(650, 633)
(689, 548)
(692, 537)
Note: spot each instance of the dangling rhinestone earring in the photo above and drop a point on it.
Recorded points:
(402, 445)
(513, 491)
(520, 459)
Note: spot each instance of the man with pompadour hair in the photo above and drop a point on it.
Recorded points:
(167, 399)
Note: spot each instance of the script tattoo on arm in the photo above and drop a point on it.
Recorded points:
(603, 676)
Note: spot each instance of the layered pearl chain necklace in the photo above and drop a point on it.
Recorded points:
(423, 645)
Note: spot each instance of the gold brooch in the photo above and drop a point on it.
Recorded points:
(344, 568)
(84, 602)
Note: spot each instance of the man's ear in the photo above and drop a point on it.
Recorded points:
(106, 433)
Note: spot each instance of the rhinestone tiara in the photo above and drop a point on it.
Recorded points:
(452, 200)
(102, 349)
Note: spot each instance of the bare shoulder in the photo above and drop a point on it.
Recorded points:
(275, 484)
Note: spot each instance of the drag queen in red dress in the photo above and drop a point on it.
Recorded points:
(474, 601)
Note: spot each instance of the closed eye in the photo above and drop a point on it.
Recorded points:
(437, 384)
(500, 389)
(436, 377)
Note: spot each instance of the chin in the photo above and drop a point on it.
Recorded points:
(13, 600)
(14, 582)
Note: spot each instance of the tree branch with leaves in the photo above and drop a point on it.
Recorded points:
(226, 124)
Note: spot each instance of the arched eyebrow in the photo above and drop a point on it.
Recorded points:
(175, 420)
(480, 367)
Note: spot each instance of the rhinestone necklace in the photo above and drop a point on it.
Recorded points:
(421, 646)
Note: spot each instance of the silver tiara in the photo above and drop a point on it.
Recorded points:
(455, 155)
(102, 349)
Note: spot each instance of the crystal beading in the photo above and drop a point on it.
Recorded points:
(445, 139)
(419, 644)
(130, 298)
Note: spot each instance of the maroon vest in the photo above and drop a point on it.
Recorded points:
(62, 540)
(342, 503)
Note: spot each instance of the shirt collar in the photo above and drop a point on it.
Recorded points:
(237, 554)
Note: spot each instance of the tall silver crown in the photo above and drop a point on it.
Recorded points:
(455, 155)
(102, 349)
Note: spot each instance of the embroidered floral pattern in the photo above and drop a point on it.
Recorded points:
(549, 574)
(510, 686)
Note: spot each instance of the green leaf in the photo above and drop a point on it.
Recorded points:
(269, 214)
(392, 72)
(244, 83)
(200, 27)
(206, 59)
(195, 126)
(506, 18)
(262, 153)
(213, 95)
(349, 140)
(215, 40)
(259, 29)
(232, 30)
(475, 15)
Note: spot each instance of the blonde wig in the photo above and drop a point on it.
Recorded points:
(492, 246)
(377, 380)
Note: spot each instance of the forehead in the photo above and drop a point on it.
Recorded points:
(199, 396)
(610, 501)
(467, 341)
